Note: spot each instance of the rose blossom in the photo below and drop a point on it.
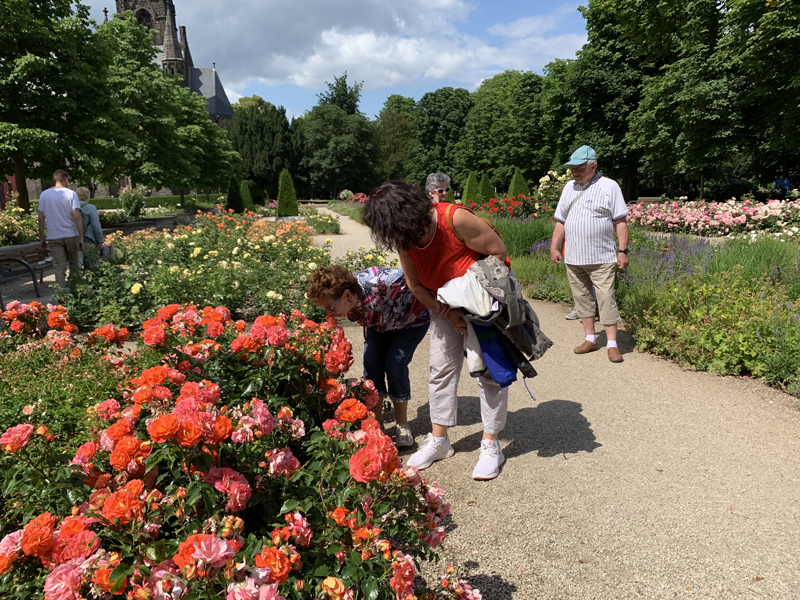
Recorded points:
(214, 551)
(64, 582)
(365, 465)
(15, 438)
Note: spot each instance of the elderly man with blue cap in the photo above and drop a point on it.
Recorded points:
(590, 211)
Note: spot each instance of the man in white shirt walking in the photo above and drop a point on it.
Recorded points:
(590, 211)
(60, 212)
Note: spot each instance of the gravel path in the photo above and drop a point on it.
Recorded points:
(632, 480)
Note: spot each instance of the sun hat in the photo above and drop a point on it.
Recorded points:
(581, 155)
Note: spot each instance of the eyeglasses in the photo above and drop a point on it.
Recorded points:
(442, 190)
(335, 302)
(582, 167)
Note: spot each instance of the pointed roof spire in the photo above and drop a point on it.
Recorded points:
(172, 49)
(105, 12)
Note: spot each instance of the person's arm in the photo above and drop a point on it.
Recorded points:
(94, 225)
(556, 242)
(478, 235)
(621, 225)
(76, 218)
(422, 293)
(42, 237)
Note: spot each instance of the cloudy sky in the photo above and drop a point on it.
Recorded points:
(285, 50)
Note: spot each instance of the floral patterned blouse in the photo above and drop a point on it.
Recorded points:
(388, 303)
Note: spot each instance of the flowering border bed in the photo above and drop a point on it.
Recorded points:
(238, 464)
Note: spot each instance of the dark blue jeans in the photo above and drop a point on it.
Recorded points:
(387, 356)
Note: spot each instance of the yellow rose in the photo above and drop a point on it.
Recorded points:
(333, 587)
(136, 288)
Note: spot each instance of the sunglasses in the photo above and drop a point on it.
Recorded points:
(442, 190)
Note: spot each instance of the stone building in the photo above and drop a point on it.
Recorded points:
(175, 58)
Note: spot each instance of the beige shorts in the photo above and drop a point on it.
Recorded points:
(582, 278)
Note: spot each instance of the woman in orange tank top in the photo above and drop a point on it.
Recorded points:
(402, 217)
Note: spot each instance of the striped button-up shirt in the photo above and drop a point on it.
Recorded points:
(588, 220)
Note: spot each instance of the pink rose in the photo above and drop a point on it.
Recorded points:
(435, 537)
(15, 438)
(238, 495)
(64, 582)
(106, 410)
(270, 592)
(12, 543)
(277, 335)
(214, 551)
(365, 465)
(243, 435)
(245, 590)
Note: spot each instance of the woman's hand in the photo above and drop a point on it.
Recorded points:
(442, 309)
(457, 320)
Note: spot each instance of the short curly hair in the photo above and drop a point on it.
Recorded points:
(330, 282)
(398, 215)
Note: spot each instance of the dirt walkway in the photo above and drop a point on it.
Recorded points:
(635, 480)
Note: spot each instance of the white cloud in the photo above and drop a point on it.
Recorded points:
(383, 43)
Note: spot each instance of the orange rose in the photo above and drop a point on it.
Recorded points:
(366, 465)
(188, 434)
(154, 336)
(102, 578)
(118, 430)
(222, 429)
(122, 505)
(5, 564)
(154, 375)
(37, 537)
(339, 515)
(142, 394)
(163, 428)
(276, 560)
(135, 487)
(72, 526)
(350, 410)
(187, 548)
(334, 588)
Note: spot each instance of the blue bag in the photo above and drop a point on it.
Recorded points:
(500, 366)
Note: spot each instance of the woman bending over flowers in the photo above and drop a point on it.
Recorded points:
(394, 324)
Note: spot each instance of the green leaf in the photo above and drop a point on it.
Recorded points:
(370, 589)
(289, 506)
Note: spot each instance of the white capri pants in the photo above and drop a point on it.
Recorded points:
(447, 357)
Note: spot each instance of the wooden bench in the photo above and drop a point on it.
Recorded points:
(22, 260)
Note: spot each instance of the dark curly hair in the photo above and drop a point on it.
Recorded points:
(330, 281)
(398, 214)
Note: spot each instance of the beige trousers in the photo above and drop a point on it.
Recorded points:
(581, 280)
(64, 251)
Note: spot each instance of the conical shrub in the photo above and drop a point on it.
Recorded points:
(471, 191)
(287, 198)
(247, 199)
(450, 198)
(518, 185)
(235, 196)
(486, 190)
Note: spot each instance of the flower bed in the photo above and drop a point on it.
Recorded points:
(716, 219)
(231, 463)
(250, 266)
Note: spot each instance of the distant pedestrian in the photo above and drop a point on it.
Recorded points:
(92, 231)
(437, 185)
(589, 212)
(60, 215)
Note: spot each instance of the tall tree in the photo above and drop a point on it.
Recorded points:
(503, 129)
(401, 104)
(439, 119)
(259, 132)
(51, 69)
(395, 134)
(762, 43)
(341, 151)
(342, 95)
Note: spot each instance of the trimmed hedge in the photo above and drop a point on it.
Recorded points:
(153, 201)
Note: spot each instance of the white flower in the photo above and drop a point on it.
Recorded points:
(271, 295)
(312, 266)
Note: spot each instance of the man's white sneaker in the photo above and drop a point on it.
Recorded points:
(430, 451)
(489, 462)
(403, 437)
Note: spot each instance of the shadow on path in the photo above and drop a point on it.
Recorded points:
(549, 429)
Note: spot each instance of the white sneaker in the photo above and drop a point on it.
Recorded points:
(491, 458)
(403, 437)
(430, 451)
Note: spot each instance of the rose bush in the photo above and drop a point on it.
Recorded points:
(232, 462)
(250, 266)
(716, 219)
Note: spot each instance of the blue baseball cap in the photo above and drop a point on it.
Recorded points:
(581, 155)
